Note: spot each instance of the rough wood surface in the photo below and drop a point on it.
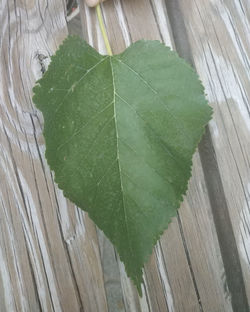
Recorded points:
(52, 258)
(218, 38)
(49, 254)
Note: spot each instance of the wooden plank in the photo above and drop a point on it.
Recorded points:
(218, 37)
(184, 273)
(49, 255)
(111, 265)
(49, 251)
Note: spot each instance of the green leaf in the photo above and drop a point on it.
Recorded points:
(120, 133)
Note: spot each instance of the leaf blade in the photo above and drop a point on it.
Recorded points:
(120, 138)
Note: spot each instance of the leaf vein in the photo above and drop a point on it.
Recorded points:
(163, 143)
(100, 179)
(75, 84)
(84, 126)
(136, 153)
(123, 202)
(155, 92)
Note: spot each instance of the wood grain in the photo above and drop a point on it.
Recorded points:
(49, 252)
(52, 258)
(218, 37)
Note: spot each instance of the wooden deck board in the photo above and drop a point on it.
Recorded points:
(51, 256)
(218, 37)
(49, 249)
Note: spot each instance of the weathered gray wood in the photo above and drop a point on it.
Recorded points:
(51, 258)
(49, 254)
(217, 33)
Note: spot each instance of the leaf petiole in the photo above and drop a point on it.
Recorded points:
(103, 30)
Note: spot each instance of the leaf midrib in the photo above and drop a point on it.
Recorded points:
(118, 158)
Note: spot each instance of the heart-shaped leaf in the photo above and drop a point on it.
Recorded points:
(120, 133)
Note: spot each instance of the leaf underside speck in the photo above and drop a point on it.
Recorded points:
(120, 134)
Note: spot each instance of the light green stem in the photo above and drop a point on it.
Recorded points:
(103, 30)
